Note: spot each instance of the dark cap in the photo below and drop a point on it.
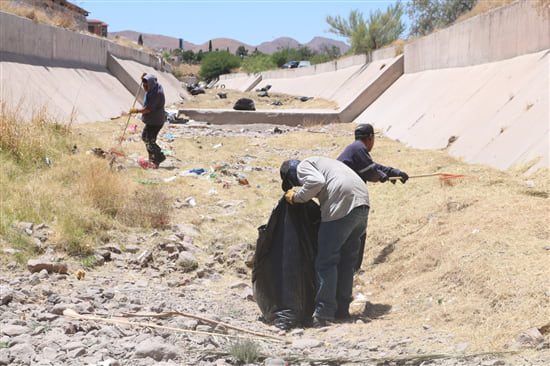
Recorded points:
(289, 175)
(362, 131)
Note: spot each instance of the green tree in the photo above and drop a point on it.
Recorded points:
(216, 63)
(429, 15)
(140, 40)
(241, 52)
(258, 63)
(380, 29)
(210, 46)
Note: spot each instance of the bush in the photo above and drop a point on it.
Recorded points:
(258, 63)
(216, 63)
(245, 351)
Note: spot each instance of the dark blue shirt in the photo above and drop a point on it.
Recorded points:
(357, 157)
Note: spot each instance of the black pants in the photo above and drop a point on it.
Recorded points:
(149, 136)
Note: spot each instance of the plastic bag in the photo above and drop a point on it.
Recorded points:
(283, 277)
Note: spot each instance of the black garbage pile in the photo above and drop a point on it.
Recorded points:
(283, 276)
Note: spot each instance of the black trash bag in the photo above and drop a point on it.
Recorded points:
(244, 104)
(283, 277)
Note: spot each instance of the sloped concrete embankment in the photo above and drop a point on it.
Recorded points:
(353, 87)
(472, 89)
(68, 72)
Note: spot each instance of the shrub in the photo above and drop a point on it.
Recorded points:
(216, 63)
(149, 207)
(245, 351)
(258, 63)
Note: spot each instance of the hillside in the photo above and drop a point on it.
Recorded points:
(157, 41)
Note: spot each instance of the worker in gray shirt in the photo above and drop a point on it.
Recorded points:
(344, 201)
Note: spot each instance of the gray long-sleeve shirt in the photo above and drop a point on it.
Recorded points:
(338, 188)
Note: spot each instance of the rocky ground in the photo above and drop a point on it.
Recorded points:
(160, 271)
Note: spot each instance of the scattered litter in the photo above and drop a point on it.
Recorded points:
(264, 89)
(132, 128)
(190, 202)
(48, 161)
(222, 95)
(277, 103)
(263, 94)
(212, 192)
(277, 130)
(243, 182)
(169, 179)
(530, 184)
(475, 231)
(244, 104)
(197, 90)
(304, 99)
(217, 146)
(170, 137)
(193, 172)
(168, 152)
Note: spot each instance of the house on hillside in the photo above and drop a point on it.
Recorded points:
(59, 7)
(97, 27)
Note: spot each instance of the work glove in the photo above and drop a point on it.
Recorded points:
(403, 176)
(383, 177)
(133, 111)
(289, 196)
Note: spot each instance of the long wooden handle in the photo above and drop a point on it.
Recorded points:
(129, 114)
(447, 175)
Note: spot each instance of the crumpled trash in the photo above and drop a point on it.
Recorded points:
(222, 95)
(132, 128)
(263, 94)
(169, 179)
(264, 89)
(196, 91)
(277, 103)
(244, 104)
(193, 172)
(304, 99)
(169, 136)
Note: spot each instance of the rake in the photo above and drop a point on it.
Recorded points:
(444, 178)
(115, 151)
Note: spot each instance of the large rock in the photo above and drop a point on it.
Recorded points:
(306, 343)
(530, 338)
(14, 330)
(24, 353)
(37, 265)
(156, 349)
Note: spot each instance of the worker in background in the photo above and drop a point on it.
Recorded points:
(153, 115)
(357, 156)
(344, 201)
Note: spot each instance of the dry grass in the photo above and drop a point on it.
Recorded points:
(482, 7)
(39, 16)
(186, 70)
(211, 100)
(76, 194)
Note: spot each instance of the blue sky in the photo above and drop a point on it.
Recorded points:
(248, 21)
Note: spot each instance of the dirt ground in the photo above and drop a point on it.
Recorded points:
(454, 271)
(211, 100)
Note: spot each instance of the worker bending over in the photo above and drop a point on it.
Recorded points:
(344, 201)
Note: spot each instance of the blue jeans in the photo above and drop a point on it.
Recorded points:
(339, 243)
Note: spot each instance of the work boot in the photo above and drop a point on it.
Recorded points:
(319, 322)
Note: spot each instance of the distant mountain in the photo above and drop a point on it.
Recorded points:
(278, 43)
(158, 41)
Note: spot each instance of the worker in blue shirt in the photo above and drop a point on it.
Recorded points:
(357, 156)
